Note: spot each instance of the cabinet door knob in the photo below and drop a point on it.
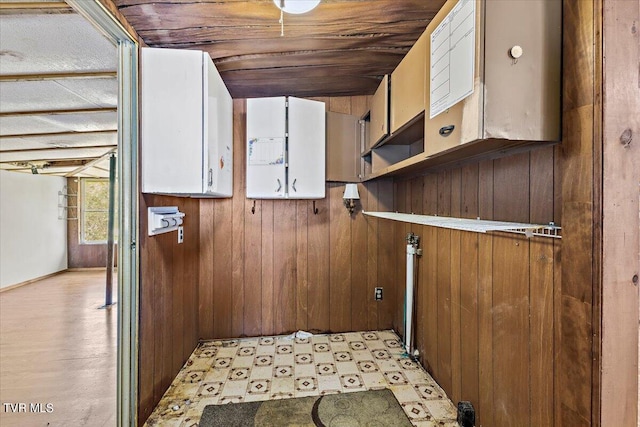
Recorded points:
(293, 185)
(446, 130)
(279, 186)
(210, 181)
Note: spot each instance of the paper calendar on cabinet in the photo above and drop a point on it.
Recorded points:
(266, 151)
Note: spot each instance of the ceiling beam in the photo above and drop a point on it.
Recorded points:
(75, 147)
(35, 6)
(68, 163)
(58, 76)
(99, 168)
(38, 135)
(56, 161)
(91, 163)
(58, 112)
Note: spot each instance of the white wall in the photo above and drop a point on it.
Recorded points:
(33, 241)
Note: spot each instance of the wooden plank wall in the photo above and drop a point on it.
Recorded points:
(577, 383)
(284, 268)
(485, 303)
(168, 323)
(621, 222)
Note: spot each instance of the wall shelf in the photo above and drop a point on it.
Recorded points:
(408, 134)
(63, 204)
(466, 152)
(472, 225)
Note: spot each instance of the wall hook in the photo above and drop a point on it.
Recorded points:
(253, 208)
(315, 210)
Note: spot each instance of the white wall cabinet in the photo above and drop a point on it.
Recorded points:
(186, 125)
(266, 137)
(286, 147)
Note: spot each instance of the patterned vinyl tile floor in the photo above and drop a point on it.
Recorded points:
(282, 367)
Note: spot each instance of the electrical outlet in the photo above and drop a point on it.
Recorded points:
(377, 294)
(180, 234)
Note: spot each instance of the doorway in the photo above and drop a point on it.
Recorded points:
(74, 140)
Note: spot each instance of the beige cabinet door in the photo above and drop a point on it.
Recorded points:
(514, 99)
(379, 125)
(462, 122)
(343, 147)
(408, 85)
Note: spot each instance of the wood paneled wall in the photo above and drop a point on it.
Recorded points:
(168, 300)
(577, 376)
(620, 219)
(485, 303)
(284, 268)
(499, 321)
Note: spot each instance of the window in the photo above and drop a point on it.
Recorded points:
(94, 199)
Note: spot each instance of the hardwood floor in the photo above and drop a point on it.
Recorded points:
(57, 347)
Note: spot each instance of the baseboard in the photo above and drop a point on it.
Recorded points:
(86, 269)
(28, 282)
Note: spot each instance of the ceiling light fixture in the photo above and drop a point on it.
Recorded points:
(294, 7)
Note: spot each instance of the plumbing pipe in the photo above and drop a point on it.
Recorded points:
(411, 251)
(412, 245)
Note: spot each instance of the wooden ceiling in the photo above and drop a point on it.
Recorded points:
(343, 47)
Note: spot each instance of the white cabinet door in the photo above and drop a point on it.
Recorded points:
(218, 132)
(266, 121)
(171, 121)
(306, 155)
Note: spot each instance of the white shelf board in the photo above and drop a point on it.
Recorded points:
(473, 225)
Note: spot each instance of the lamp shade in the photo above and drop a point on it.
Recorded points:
(351, 192)
(296, 6)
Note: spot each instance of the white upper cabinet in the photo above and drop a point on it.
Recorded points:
(266, 138)
(307, 146)
(186, 125)
(286, 147)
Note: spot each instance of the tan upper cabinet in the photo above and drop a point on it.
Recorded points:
(343, 147)
(379, 119)
(516, 78)
(408, 82)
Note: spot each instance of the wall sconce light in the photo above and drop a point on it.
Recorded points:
(350, 197)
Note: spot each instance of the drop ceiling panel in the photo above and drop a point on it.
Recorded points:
(27, 125)
(53, 43)
(59, 141)
(101, 92)
(18, 125)
(42, 95)
(84, 122)
(53, 154)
